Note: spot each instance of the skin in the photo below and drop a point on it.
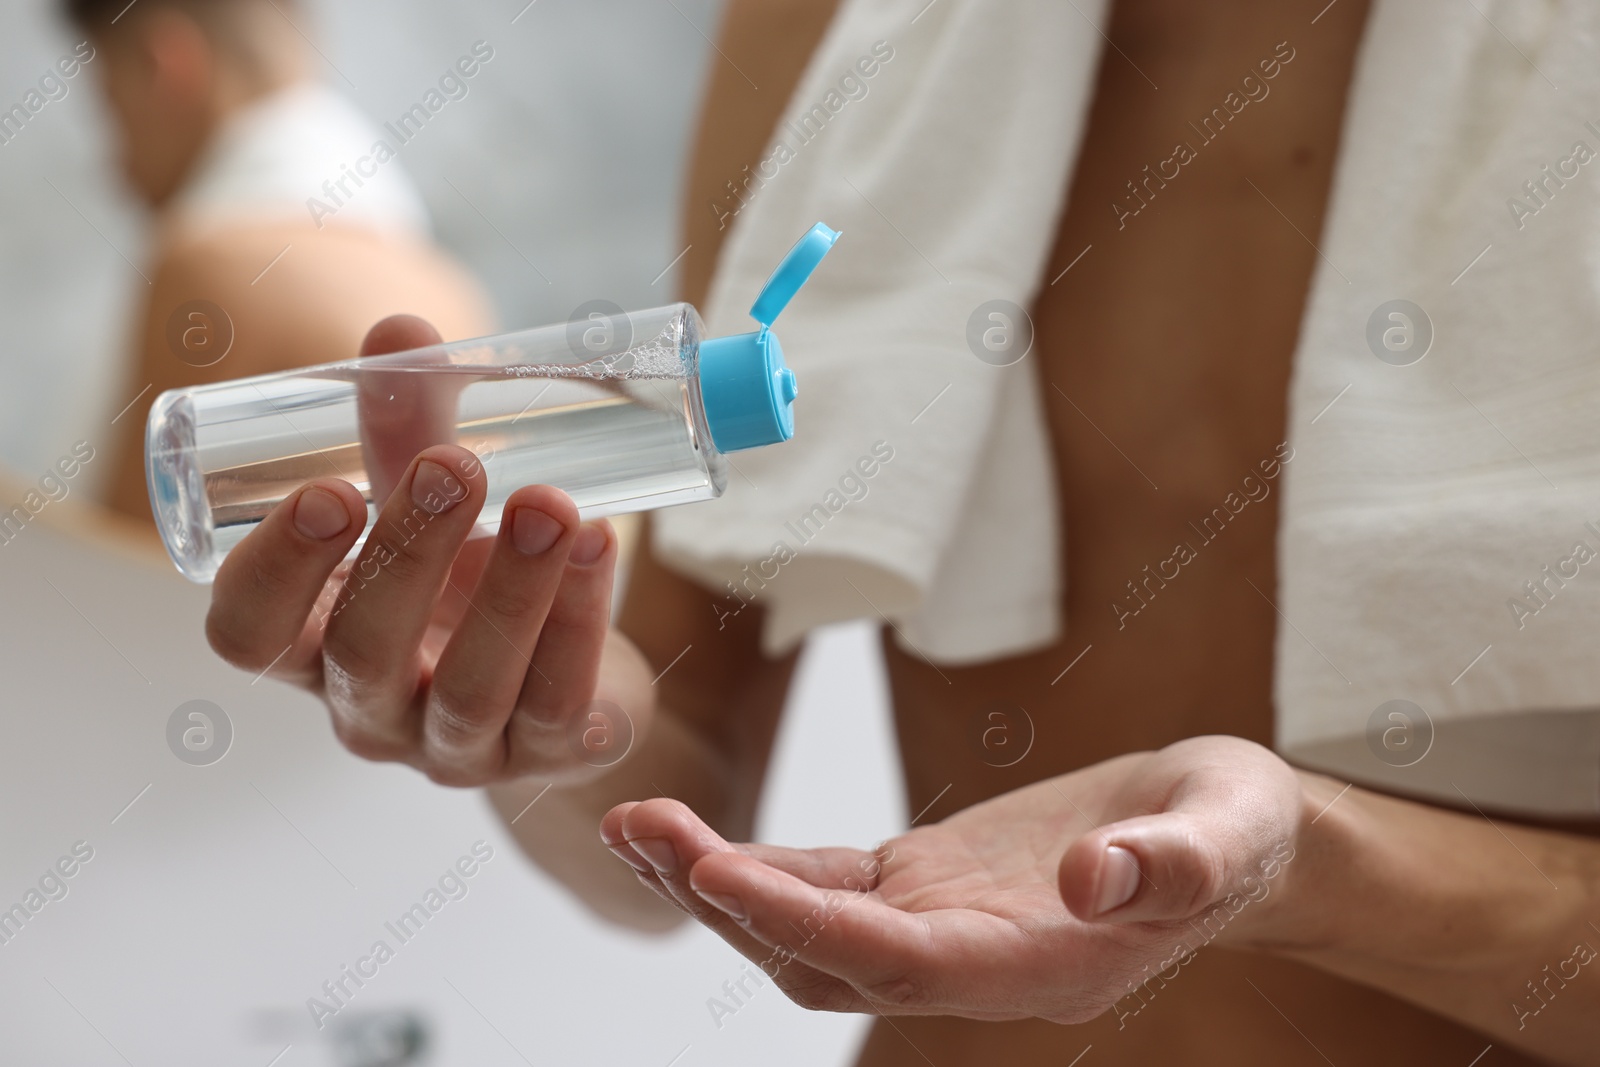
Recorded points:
(1377, 930)
(978, 914)
(170, 82)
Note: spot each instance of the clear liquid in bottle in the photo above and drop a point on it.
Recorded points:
(624, 412)
(618, 430)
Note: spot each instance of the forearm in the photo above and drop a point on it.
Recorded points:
(1491, 924)
(557, 825)
(710, 751)
(716, 701)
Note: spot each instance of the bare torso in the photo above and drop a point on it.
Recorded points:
(1164, 356)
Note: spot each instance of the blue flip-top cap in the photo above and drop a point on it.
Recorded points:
(747, 389)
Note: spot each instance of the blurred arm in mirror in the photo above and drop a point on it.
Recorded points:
(269, 251)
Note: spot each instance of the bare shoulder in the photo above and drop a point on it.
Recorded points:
(240, 300)
(295, 295)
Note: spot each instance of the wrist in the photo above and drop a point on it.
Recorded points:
(1377, 880)
(1295, 915)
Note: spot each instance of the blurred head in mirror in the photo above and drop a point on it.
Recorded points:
(269, 250)
(174, 71)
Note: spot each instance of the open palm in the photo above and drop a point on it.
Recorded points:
(1050, 901)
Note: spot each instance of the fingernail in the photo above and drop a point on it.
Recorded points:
(1119, 880)
(589, 545)
(630, 857)
(533, 532)
(434, 489)
(320, 515)
(723, 902)
(659, 851)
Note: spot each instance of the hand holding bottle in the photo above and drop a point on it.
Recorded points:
(625, 412)
(465, 659)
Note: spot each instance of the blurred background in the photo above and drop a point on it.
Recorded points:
(556, 181)
(219, 898)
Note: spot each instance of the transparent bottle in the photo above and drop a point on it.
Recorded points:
(624, 411)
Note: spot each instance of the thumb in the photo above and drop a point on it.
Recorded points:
(402, 412)
(1167, 866)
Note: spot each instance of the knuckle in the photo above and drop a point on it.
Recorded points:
(545, 757)
(406, 565)
(512, 602)
(267, 584)
(401, 559)
(350, 668)
(361, 741)
(554, 766)
(899, 991)
(1205, 872)
(448, 726)
(543, 722)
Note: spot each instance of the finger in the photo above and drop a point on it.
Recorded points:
(612, 836)
(786, 944)
(896, 961)
(566, 660)
(1155, 867)
(663, 840)
(853, 869)
(660, 839)
(370, 649)
(266, 587)
(677, 839)
(669, 837)
(1229, 823)
(484, 667)
(402, 412)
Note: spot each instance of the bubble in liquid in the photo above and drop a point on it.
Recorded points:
(653, 359)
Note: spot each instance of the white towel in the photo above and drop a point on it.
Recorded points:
(935, 169)
(280, 159)
(1421, 500)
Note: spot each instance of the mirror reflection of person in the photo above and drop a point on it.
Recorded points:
(1355, 927)
(223, 133)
